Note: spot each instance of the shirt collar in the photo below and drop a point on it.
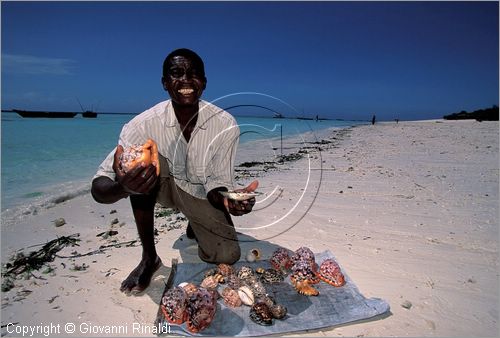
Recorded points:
(203, 113)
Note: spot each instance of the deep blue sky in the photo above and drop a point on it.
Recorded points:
(407, 60)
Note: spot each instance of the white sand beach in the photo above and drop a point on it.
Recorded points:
(410, 211)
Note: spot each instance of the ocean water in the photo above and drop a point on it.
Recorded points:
(46, 161)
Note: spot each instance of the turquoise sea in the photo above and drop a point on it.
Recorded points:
(55, 159)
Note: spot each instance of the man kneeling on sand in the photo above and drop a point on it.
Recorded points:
(196, 144)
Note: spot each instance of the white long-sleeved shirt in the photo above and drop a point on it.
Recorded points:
(198, 166)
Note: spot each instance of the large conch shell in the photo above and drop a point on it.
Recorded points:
(136, 154)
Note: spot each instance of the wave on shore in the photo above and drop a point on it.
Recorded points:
(66, 193)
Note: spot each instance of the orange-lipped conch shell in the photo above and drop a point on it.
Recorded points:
(136, 154)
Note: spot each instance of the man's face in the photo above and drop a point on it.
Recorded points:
(184, 82)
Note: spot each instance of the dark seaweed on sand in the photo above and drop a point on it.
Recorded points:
(21, 263)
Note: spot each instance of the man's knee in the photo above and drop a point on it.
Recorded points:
(228, 252)
(230, 255)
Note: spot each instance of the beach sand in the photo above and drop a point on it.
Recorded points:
(410, 211)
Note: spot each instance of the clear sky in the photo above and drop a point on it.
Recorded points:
(348, 60)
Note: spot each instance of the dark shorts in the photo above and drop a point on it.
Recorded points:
(214, 230)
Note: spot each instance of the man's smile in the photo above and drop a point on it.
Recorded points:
(185, 91)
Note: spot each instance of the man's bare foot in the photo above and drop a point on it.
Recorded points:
(140, 277)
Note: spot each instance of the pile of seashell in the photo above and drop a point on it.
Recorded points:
(196, 305)
(246, 286)
(304, 271)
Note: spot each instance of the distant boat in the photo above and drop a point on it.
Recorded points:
(49, 114)
(278, 116)
(89, 114)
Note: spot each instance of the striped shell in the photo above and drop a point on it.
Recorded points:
(260, 270)
(220, 278)
(211, 272)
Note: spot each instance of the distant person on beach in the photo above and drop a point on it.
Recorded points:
(373, 120)
(196, 145)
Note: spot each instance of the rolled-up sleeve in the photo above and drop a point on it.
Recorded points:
(130, 134)
(106, 167)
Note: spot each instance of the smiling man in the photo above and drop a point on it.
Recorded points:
(196, 144)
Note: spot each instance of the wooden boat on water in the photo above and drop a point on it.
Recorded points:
(47, 114)
(89, 114)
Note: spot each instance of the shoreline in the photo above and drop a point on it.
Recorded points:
(410, 210)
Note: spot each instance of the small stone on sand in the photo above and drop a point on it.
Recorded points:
(59, 222)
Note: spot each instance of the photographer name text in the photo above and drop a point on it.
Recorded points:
(85, 328)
